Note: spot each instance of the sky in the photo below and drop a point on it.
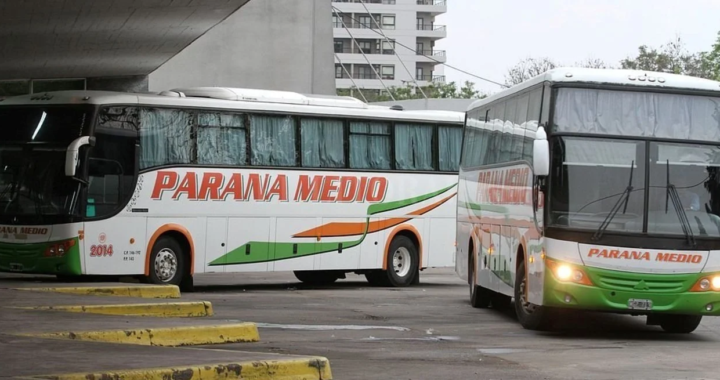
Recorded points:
(486, 37)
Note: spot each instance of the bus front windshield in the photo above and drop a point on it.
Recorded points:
(636, 184)
(33, 186)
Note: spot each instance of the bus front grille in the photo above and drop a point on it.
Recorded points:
(20, 251)
(639, 284)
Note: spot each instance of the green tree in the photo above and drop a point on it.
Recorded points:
(432, 91)
(531, 67)
(710, 61)
(672, 57)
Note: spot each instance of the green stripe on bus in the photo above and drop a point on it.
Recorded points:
(259, 252)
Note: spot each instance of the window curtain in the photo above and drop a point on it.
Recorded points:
(413, 147)
(369, 145)
(221, 139)
(273, 141)
(165, 137)
(638, 114)
(450, 142)
(322, 143)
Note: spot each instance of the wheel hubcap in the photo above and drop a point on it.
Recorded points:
(402, 261)
(166, 265)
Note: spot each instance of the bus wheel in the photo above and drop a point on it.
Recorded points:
(479, 296)
(531, 317)
(402, 264)
(316, 277)
(679, 324)
(167, 262)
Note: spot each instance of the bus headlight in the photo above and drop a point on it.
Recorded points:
(568, 273)
(563, 272)
(707, 283)
(716, 282)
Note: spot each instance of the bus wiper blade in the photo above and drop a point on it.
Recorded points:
(625, 196)
(673, 195)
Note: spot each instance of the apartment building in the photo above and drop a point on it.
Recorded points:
(390, 39)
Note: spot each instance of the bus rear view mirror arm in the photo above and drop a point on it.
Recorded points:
(73, 153)
(541, 153)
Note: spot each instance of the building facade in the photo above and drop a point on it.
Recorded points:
(386, 43)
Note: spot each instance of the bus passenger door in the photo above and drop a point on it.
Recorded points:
(114, 236)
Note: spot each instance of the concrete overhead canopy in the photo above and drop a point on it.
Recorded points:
(100, 38)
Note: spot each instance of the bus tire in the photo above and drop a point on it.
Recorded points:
(531, 317)
(167, 262)
(479, 296)
(316, 277)
(679, 324)
(402, 265)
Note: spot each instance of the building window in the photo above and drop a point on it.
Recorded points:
(420, 48)
(365, 22)
(339, 47)
(337, 22)
(420, 23)
(388, 22)
(388, 72)
(339, 72)
(388, 47)
(365, 47)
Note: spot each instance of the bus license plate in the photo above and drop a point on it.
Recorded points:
(14, 267)
(634, 304)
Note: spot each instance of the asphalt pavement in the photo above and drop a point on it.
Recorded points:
(428, 331)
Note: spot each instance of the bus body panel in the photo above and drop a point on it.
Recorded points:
(42, 249)
(280, 221)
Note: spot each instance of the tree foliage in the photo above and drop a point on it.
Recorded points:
(711, 61)
(432, 91)
(532, 67)
(672, 57)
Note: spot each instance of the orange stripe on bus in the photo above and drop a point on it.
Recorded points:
(337, 229)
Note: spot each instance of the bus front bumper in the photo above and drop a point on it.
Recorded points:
(33, 259)
(632, 293)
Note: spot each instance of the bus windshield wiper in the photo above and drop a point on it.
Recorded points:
(624, 196)
(672, 194)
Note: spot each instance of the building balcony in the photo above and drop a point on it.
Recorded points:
(347, 50)
(432, 56)
(432, 31)
(434, 7)
(431, 78)
(385, 2)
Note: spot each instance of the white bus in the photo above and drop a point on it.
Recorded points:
(201, 180)
(606, 197)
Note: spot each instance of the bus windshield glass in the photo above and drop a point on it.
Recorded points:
(33, 185)
(600, 183)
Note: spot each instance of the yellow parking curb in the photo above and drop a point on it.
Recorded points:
(168, 337)
(165, 310)
(316, 368)
(148, 291)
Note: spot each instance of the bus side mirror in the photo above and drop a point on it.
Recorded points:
(541, 153)
(72, 155)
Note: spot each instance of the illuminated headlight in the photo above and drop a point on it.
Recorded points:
(564, 272)
(716, 283)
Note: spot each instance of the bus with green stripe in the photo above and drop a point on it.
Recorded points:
(218, 180)
(596, 190)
